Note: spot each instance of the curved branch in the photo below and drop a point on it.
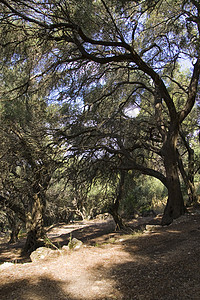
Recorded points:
(192, 92)
(149, 48)
(32, 20)
(146, 171)
(131, 56)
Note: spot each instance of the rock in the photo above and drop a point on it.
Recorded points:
(65, 249)
(44, 253)
(54, 254)
(6, 265)
(75, 244)
(39, 254)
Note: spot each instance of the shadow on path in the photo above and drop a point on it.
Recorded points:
(44, 289)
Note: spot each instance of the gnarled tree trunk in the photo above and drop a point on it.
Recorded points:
(35, 226)
(189, 177)
(14, 226)
(116, 217)
(189, 182)
(175, 204)
(114, 207)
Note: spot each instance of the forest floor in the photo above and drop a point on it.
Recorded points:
(158, 264)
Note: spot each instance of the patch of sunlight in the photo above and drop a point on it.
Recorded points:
(88, 272)
(6, 265)
(174, 231)
(87, 286)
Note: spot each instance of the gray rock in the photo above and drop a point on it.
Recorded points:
(44, 253)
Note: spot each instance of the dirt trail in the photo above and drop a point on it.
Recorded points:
(159, 264)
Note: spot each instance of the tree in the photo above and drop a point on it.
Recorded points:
(28, 162)
(142, 41)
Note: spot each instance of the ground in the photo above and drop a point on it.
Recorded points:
(159, 263)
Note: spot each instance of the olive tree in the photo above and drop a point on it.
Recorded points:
(126, 49)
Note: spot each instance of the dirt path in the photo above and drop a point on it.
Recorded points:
(159, 264)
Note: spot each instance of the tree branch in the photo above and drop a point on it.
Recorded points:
(192, 92)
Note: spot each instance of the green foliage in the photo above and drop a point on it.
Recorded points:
(143, 194)
(70, 70)
(100, 197)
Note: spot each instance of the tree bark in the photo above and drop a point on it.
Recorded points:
(14, 226)
(35, 226)
(116, 217)
(189, 177)
(14, 233)
(175, 204)
(189, 182)
(114, 207)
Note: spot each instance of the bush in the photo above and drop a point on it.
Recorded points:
(142, 195)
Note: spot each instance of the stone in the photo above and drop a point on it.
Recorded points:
(75, 244)
(44, 253)
(6, 265)
(65, 249)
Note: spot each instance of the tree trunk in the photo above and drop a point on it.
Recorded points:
(114, 207)
(14, 226)
(191, 189)
(189, 177)
(81, 212)
(116, 217)
(35, 226)
(175, 204)
(189, 182)
(14, 235)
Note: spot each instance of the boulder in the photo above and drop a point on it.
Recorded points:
(44, 253)
(6, 265)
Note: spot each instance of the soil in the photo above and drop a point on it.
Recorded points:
(154, 264)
